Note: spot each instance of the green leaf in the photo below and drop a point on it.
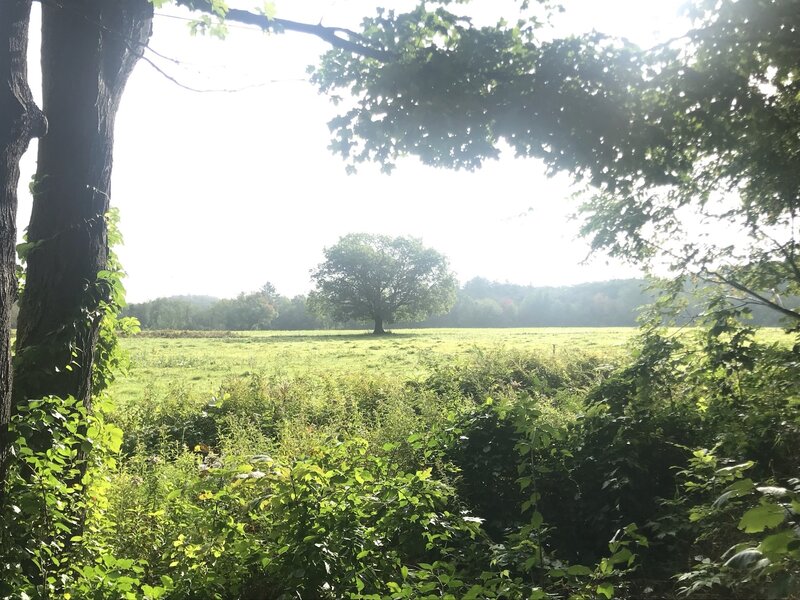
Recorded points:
(152, 593)
(474, 593)
(735, 468)
(762, 517)
(579, 570)
(624, 555)
(777, 543)
(269, 10)
(536, 519)
(735, 490)
(744, 559)
(606, 589)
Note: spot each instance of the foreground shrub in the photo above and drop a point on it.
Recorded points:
(490, 373)
(747, 534)
(335, 522)
(511, 476)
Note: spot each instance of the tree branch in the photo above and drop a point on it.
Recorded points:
(331, 35)
(714, 277)
(755, 295)
(788, 252)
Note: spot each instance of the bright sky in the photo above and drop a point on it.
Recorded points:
(220, 192)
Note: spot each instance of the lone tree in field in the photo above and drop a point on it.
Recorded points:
(383, 279)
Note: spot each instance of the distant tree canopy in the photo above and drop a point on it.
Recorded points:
(247, 311)
(382, 279)
(264, 309)
(484, 303)
(176, 312)
(479, 303)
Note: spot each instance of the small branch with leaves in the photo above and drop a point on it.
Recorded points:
(337, 37)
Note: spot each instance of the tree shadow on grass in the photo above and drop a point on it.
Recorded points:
(274, 336)
(367, 336)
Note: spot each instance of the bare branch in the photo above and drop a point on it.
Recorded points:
(180, 84)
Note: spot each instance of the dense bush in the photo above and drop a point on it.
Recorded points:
(508, 475)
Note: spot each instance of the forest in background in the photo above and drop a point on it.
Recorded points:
(480, 303)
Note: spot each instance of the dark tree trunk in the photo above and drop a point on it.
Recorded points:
(20, 121)
(89, 49)
(378, 327)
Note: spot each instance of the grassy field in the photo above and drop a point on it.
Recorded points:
(198, 362)
(244, 455)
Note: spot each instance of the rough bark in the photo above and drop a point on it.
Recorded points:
(89, 49)
(378, 330)
(20, 121)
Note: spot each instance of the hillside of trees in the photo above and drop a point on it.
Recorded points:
(263, 309)
(480, 303)
(484, 303)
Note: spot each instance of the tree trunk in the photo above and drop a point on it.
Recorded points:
(20, 121)
(378, 327)
(89, 49)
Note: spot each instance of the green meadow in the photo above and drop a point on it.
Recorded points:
(200, 361)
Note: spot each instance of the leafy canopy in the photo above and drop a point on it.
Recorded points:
(676, 143)
(382, 278)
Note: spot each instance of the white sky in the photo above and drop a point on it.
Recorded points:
(221, 192)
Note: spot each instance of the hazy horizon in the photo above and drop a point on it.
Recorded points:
(461, 284)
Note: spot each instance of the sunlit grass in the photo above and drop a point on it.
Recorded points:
(202, 363)
(199, 362)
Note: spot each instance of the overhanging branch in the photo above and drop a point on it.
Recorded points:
(715, 277)
(760, 299)
(351, 42)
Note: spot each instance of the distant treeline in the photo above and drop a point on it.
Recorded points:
(480, 303)
(264, 309)
(484, 303)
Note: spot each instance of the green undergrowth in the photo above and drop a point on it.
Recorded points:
(288, 414)
(505, 473)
